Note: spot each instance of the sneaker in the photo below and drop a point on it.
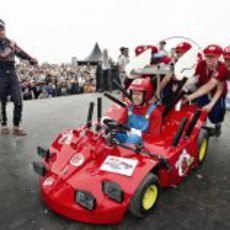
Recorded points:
(18, 131)
(5, 130)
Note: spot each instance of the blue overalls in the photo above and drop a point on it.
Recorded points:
(138, 122)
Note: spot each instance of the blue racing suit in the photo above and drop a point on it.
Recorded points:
(137, 122)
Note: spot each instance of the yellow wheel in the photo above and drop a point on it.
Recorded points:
(202, 145)
(203, 150)
(150, 197)
(145, 197)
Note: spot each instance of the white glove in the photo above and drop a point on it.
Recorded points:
(136, 132)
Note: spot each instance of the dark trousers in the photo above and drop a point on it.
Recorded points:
(10, 86)
(218, 112)
(106, 80)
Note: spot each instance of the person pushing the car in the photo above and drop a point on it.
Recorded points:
(211, 76)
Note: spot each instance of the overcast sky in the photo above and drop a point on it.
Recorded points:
(56, 30)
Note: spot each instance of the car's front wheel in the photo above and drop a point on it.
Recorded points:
(145, 197)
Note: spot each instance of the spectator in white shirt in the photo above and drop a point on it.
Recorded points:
(122, 62)
(106, 64)
(161, 48)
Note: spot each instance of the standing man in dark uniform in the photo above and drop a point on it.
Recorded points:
(9, 83)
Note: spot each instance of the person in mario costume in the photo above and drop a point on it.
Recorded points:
(211, 76)
(143, 118)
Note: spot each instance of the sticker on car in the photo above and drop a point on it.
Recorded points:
(48, 182)
(77, 160)
(184, 162)
(119, 165)
(66, 138)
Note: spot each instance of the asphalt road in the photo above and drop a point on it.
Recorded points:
(202, 201)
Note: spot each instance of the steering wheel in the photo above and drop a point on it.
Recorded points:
(113, 125)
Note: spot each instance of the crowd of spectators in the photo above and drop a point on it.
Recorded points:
(51, 80)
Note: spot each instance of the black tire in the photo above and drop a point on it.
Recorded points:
(203, 141)
(136, 204)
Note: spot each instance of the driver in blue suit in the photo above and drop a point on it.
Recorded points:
(143, 118)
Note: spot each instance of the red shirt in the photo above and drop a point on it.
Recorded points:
(204, 75)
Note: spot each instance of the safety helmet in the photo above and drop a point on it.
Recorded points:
(143, 85)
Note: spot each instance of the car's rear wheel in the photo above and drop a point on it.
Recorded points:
(203, 140)
(145, 197)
